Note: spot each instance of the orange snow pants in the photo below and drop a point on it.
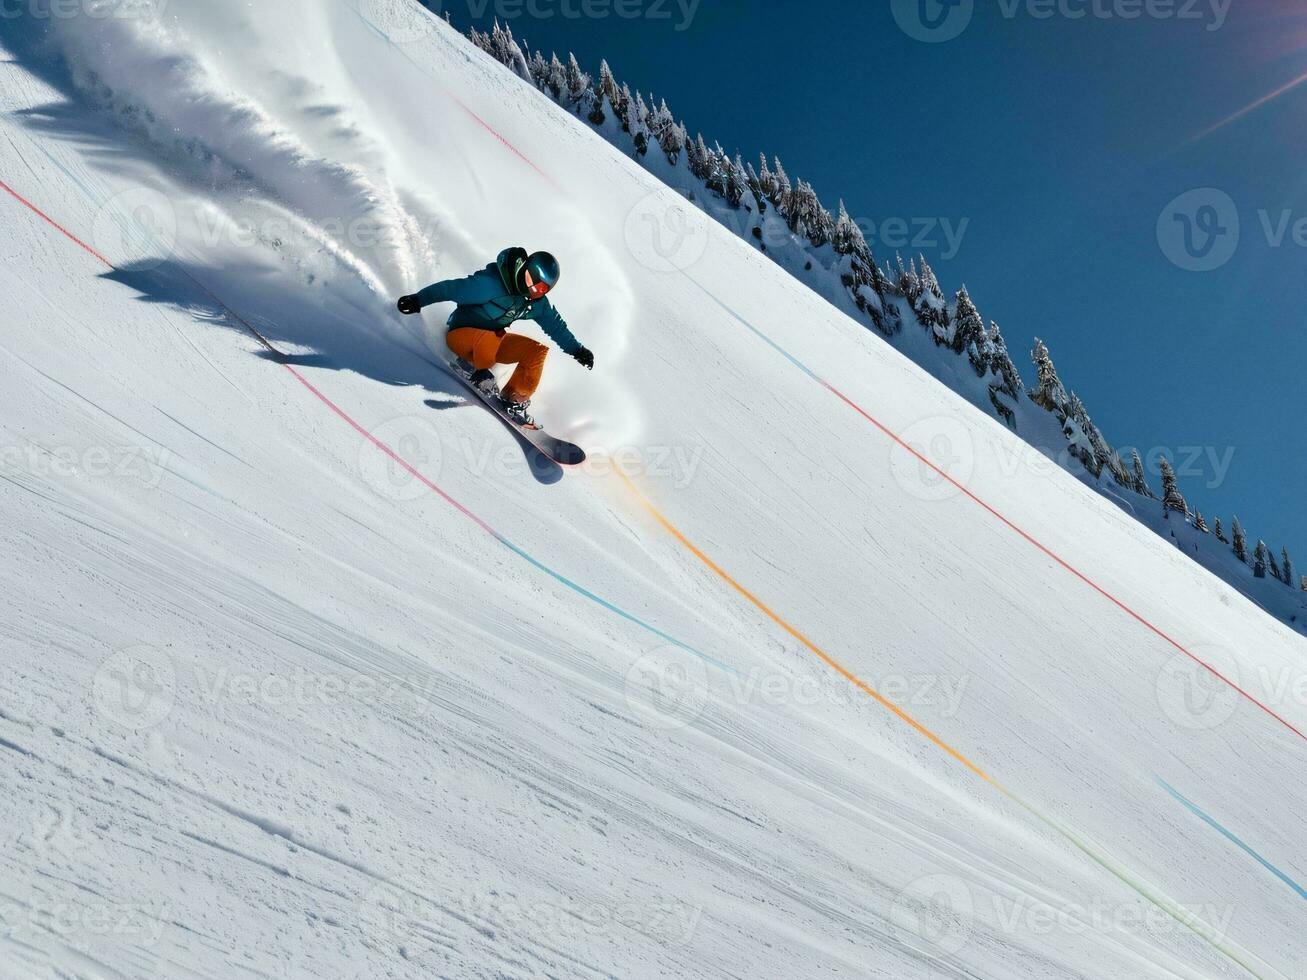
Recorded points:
(483, 349)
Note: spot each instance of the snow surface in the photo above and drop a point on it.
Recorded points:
(274, 707)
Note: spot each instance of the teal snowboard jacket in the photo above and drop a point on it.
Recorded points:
(487, 301)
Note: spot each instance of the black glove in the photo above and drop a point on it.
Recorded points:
(409, 305)
(585, 358)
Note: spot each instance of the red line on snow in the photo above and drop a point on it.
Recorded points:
(408, 467)
(51, 222)
(500, 136)
(1012, 525)
(358, 427)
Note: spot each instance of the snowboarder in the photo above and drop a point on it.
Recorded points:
(511, 288)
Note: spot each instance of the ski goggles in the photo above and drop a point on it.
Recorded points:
(535, 290)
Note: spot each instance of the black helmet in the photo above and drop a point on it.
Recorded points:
(537, 275)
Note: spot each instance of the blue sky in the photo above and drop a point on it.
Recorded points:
(1061, 142)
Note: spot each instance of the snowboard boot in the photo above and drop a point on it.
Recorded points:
(483, 381)
(517, 412)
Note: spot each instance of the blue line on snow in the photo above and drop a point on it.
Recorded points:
(582, 590)
(754, 330)
(1198, 812)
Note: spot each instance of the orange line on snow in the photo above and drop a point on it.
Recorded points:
(1085, 846)
(826, 658)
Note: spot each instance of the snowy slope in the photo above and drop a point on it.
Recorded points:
(275, 706)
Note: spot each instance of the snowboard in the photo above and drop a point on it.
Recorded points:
(560, 451)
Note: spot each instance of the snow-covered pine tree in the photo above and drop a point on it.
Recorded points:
(608, 90)
(784, 191)
(504, 47)
(1116, 466)
(846, 234)
(660, 121)
(1172, 499)
(968, 326)
(596, 111)
(718, 175)
(1220, 533)
(863, 277)
(539, 69)
(1286, 563)
(880, 278)
(807, 218)
(767, 181)
(1050, 393)
(1140, 479)
(481, 40)
(1099, 446)
(1001, 362)
(681, 136)
(755, 188)
(932, 308)
(1201, 524)
(699, 158)
(624, 106)
(737, 181)
(994, 357)
(1304, 583)
(823, 223)
(1275, 565)
(1259, 560)
(637, 122)
(1239, 541)
(908, 282)
(1076, 428)
(578, 85)
(556, 78)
